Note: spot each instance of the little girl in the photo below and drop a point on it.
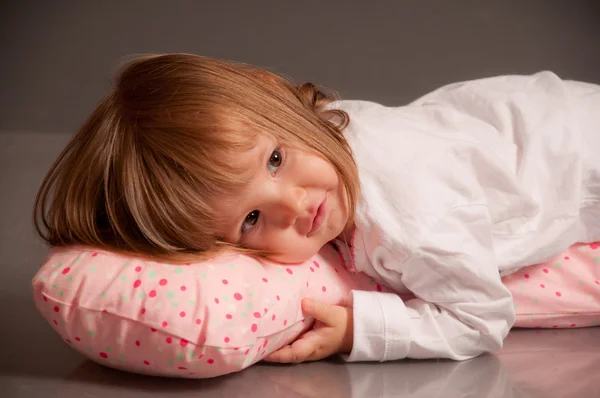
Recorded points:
(189, 156)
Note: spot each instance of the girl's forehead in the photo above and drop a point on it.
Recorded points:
(247, 163)
(229, 209)
(250, 163)
(248, 159)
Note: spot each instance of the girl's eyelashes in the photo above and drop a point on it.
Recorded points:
(250, 221)
(275, 161)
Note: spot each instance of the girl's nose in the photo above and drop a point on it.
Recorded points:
(292, 204)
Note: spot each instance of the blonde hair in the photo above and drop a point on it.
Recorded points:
(139, 175)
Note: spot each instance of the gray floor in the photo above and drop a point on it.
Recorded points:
(559, 364)
(57, 61)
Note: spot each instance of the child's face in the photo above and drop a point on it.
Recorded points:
(294, 204)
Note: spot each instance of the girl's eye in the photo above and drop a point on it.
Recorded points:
(275, 161)
(250, 221)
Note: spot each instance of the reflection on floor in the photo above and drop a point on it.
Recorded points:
(544, 363)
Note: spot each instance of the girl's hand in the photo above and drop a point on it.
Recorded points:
(332, 333)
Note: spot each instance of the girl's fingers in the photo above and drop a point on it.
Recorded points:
(320, 311)
(297, 352)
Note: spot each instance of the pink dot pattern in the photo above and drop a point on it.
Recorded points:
(213, 318)
(560, 293)
(192, 321)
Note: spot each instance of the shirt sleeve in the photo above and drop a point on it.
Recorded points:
(462, 308)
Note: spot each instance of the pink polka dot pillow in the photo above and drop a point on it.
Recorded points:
(563, 292)
(194, 321)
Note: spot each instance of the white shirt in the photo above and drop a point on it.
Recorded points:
(470, 181)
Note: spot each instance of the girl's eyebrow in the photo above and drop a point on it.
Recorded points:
(232, 230)
(263, 159)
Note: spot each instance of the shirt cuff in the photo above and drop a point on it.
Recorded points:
(381, 327)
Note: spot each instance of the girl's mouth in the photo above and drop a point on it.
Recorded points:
(319, 217)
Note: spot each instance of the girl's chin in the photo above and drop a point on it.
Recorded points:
(292, 258)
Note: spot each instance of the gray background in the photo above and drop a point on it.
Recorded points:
(58, 58)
